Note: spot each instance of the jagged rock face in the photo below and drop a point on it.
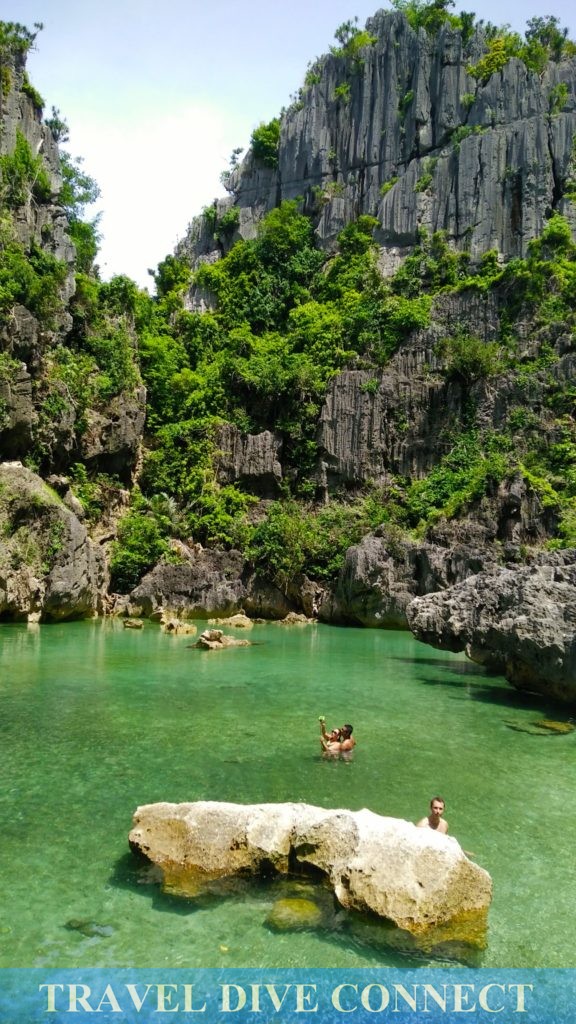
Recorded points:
(383, 574)
(208, 583)
(414, 877)
(49, 568)
(253, 460)
(520, 622)
(493, 183)
(37, 409)
(17, 413)
(381, 577)
(45, 224)
(399, 421)
(113, 435)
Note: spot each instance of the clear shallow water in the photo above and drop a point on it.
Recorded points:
(96, 719)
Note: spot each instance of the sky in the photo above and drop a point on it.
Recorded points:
(158, 94)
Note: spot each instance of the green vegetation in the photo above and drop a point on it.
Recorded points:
(32, 93)
(23, 176)
(386, 187)
(342, 92)
(286, 316)
(30, 278)
(16, 39)
(544, 40)
(351, 40)
(264, 141)
(432, 15)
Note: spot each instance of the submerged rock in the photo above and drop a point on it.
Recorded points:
(90, 929)
(294, 914)
(414, 877)
(295, 619)
(133, 624)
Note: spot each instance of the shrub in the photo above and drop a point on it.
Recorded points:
(139, 545)
(265, 140)
(470, 358)
(24, 175)
(388, 185)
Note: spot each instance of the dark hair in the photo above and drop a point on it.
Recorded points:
(346, 729)
(440, 799)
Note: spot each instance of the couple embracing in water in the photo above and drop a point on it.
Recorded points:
(338, 741)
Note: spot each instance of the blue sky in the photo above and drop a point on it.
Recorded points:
(157, 95)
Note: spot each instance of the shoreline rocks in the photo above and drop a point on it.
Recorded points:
(520, 623)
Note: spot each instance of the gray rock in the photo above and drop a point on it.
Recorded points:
(49, 568)
(492, 184)
(520, 622)
(17, 413)
(383, 574)
(112, 440)
(208, 583)
(252, 460)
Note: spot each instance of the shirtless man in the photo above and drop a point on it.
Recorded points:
(435, 819)
(347, 742)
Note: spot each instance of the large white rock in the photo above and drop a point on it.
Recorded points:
(412, 876)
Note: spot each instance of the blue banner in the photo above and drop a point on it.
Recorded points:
(283, 996)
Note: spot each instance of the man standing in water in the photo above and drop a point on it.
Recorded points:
(435, 819)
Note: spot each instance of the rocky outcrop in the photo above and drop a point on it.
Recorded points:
(42, 223)
(252, 460)
(113, 435)
(209, 582)
(519, 622)
(17, 413)
(414, 877)
(173, 627)
(217, 640)
(400, 421)
(383, 574)
(238, 621)
(49, 568)
(484, 162)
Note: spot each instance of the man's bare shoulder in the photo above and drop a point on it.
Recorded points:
(423, 823)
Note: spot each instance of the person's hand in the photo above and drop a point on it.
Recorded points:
(321, 718)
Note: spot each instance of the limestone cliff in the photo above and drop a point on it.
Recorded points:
(403, 132)
(65, 399)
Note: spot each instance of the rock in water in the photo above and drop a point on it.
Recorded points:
(293, 914)
(216, 640)
(415, 877)
(519, 622)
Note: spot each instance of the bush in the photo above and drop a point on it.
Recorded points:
(265, 140)
(139, 546)
(24, 175)
(470, 358)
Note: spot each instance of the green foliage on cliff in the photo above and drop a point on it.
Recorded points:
(31, 278)
(23, 176)
(16, 39)
(544, 40)
(286, 316)
(265, 140)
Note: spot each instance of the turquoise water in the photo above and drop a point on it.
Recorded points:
(96, 719)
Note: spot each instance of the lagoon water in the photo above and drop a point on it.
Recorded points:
(96, 719)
